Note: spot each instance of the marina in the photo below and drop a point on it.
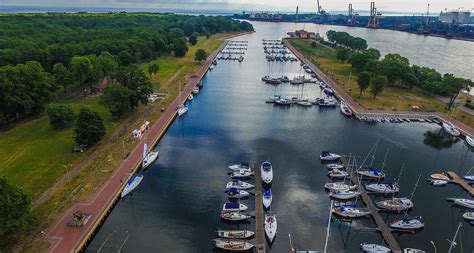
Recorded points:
(243, 128)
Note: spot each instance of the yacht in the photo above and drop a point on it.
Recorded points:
(451, 129)
(229, 245)
(385, 188)
(235, 234)
(339, 186)
(195, 90)
(282, 101)
(267, 198)
(332, 166)
(395, 204)
(267, 172)
(372, 173)
(297, 80)
(132, 184)
(239, 166)
(350, 211)
(270, 226)
(470, 141)
(348, 194)
(273, 99)
(439, 176)
(234, 207)
(327, 102)
(239, 185)
(235, 193)
(328, 156)
(241, 174)
(469, 203)
(182, 110)
(335, 173)
(234, 216)
(408, 223)
(150, 158)
(374, 248)
(469, 215)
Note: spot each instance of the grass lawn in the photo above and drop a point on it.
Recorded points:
(392, 98)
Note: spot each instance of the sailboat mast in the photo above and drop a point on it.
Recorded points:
(453, 242)
(367, 156)
(328, 227)
(412, 194)
(384, 159)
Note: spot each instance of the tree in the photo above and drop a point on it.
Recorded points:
(81, 69)
(363, 81)
(342, 54)
(452, 86)
(179, 47)
(107, 64)
(137, 82)
(394, 67)
(125, 58)
(374, 53)
(377, 83)
(200, 55)
(116, 98)
(313, 44)
(60, 115)
(89, 128)
(193, 39)
(15, 212)
(359, 60)
(153, 68)
(61, 76)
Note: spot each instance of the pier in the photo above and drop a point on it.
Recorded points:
(461, 182)
(65, 238)
(376, 217)
(259, 229)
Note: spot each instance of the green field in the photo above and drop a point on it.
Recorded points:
(392, 98)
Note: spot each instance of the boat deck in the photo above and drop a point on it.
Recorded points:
(259, 231)
(379, 221)
(460, 181)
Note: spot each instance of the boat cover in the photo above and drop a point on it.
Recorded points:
(266, 166)
(267, 193)
(231, 205)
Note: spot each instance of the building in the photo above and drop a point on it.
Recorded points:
(265, 16)
(459, 16)
(302, 34)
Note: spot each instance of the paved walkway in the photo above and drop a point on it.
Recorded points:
(358, 109)
(71, 239)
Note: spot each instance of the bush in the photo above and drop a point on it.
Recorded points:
(60, 115)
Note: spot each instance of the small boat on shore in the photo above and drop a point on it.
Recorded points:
(451, 129)
(235, 193)
(270, 226)
(339, 186)
(234, 216)
(267, 198)
(239, 166)
(235, 234)
(234, 207)
(440, 176)
(241, 174)
(395, 204)
(408, 223)
(385, 188)
(332, 166)
(267, 172)
(239, 185)
(335, 173)
(469, 215)
(328, 156)
(344, 194)
(232, 245)
(372, 173)
(469, 203)
(345, 109)
(374, 248)
(132, 184)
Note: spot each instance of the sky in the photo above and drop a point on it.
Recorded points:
(407, 6)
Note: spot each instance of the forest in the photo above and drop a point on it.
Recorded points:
(36, 50)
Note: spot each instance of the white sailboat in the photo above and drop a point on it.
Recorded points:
(234, 216)
(267, 172)
(350, 211)
(335, 173)
(270, 226)
(385, 188)
(148, 158)
(344, 194)
(328, 156)
(235, 234)
(345, 109)
(408, 223)
(395, 204)
(132, 184)
(234, 207)
(232, 245)
(182, 109)
(339, 186)
(469, 203)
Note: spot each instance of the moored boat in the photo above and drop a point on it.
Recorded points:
(267, 198)
(348, 194)
(282, 101)
(470, 141)
(395, 204)
(239, 166)
(439, 176)
(335, 173)
(232, 245)
(234, 216)
(328, 156)
(195, 90)
(267, 172)
(451, 129)
(437, 182)
(270, 226)
(374, 248)
(411, 250)
(339, 186)
(233, 207)
(408, 223)
(241, 174)
(190, 97)
(235, 193)
(385, 188)
(372, 173)
(132, 184)
(150, 158)
(350, 211)
(345, 109)
(239, 185)
(182, 110)
(332, 166)
(235, 234)
(469, 215)
(469, 179)
(469, 203)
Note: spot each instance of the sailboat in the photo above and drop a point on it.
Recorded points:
(148, 158)
(239, 185)
(235, 234)
(347, 194)
(350, 211)
(469, 203)
(182, 109)
(270, 226)
(385, 188)
(302, 101)
(395, 204)
(232, 245)
(339, 186)
(345, 109)
(234, 216)
(408, 223)
(374, 248)
(132, 184)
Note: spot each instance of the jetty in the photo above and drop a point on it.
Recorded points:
(358, 110)
(259, 230)
(461, 182)
(66, 238)
(376, 217)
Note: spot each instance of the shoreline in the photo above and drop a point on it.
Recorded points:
(64, 238)
(342, 95)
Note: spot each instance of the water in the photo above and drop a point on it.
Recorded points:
(176, 207)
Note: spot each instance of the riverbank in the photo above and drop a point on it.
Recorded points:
(82, 179)
(392, 99)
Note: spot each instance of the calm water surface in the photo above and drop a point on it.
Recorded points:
(176, 207)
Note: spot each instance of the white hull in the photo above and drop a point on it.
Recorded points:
(412, 223)
(370, 174)
(239, 167)
(332, 166)
(270, 227)
(436, 182)
(345, 110)
(267, 200)
(382, 188)
(149, 159)
(234, 216)
(469, 203)
(469, 215)
(190, 97)
(329, 157)
(232, 245)
(395, 204)
(235, 234)
(239, 185)
(182, 110)
(374, 248)
(344, 194)
(132, 184)
(267, 172)
(470, 141)
(241, 174)
(338, 174)
(338, 186)
(450, 129)
(240, 194)
(241, 207)
(351, 212)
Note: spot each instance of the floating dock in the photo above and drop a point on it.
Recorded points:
(259, 229)
(461, 182)
(377, 218)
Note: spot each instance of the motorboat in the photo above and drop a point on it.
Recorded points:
(469, 203)
(339, 186)
(150, 158)
(239, 185)
(469, 215)
(408, 223)
(345, 109)
(132, 184)
(239, 166)
(385, 188)
(234, 207)
(332, 166)
(282, 101)
(373, 173)
(335, 173)
(437, 182)
(327, 102)
(241, 174)
(395, 204)
(235, 193)
(450, 129)
(270, 226)
(470, 141)
(182, 110)
(195, 90)
(374, 248)
(235, 234)
(190, 97)
(229, 245)
(440, 176)
(349, 194)
(328, 91)
(411, 250)
(350, 211)
(267, 172)
(234, 216)
(469, 179)
(267, 198)
(328, 156)
(322, 85)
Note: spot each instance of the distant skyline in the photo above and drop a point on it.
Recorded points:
(406, 6)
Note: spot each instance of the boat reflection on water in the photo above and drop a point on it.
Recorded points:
(439, 140)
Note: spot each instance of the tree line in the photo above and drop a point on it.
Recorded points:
(346, 40)
(396, 71)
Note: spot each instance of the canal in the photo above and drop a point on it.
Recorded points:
(176, 207)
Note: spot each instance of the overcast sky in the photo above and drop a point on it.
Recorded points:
(274, 5)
